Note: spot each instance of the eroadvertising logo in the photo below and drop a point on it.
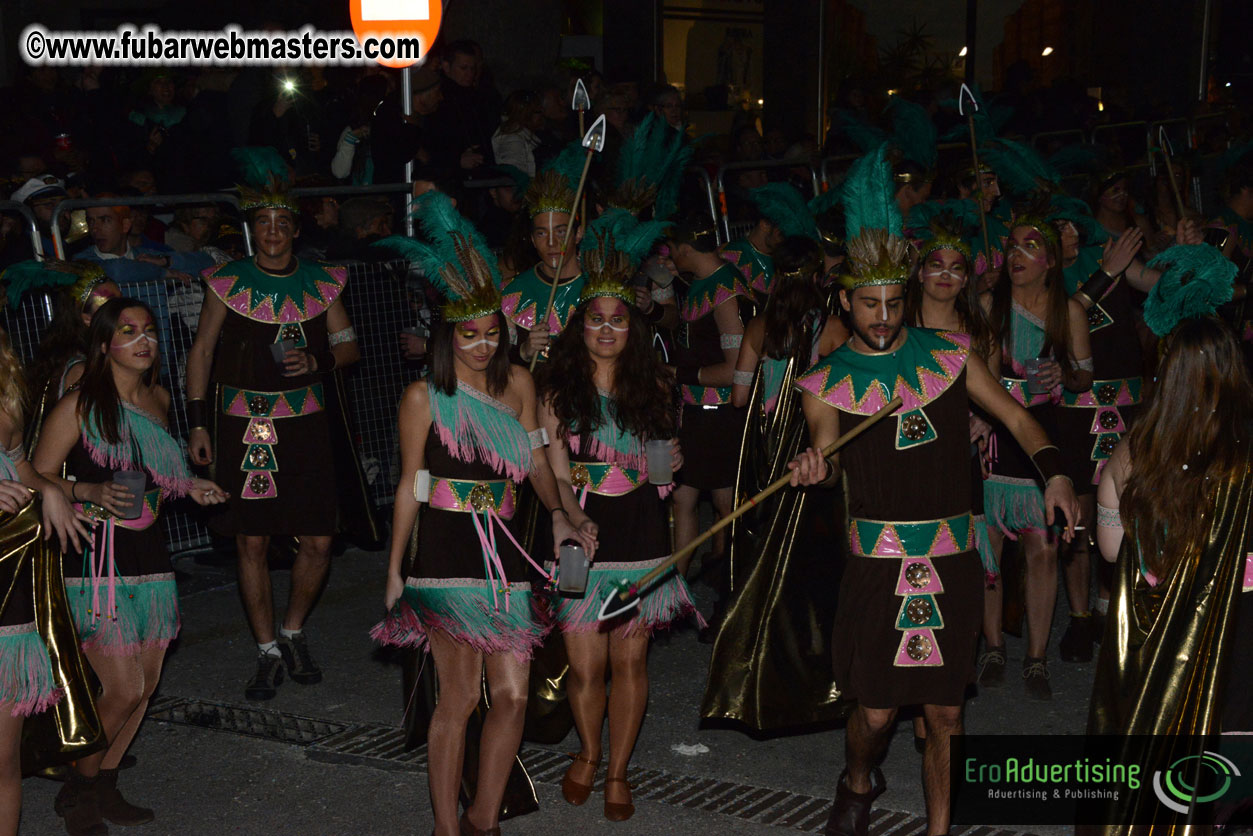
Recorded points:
(1102, 779)
(1177, 786)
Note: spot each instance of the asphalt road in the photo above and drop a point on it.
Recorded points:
(326, 759)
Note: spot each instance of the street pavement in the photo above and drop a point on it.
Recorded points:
(326, 759)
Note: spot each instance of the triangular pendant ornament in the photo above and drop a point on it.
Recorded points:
(913, 428)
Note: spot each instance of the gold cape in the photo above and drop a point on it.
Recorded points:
(771, 666)
(1162, 667)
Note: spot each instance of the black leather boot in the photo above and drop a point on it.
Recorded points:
(850, 816)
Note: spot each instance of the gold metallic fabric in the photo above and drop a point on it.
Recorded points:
(771, 666)
(1162, 668)
(71, 728)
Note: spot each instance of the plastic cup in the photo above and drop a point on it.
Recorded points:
(659, 453)
(1032, 367)
(279, 351)
(572, 569)
(133, 481)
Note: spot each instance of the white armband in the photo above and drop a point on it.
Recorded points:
(662, 295)
(347, 335)
(539, 438)
(422, 486)
(740, 378)
(1085, 364)
(1108, 517)
(730, 340)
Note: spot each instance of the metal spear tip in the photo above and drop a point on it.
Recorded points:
(1163, 140)
(964, 94)
(581, 101)
(621, 599)
(594, 139)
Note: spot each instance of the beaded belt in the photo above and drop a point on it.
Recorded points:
(706, 395)
(488, 502)
(148, 513)
(918, 584)
(1123, 391)
(1107, 424)
(477, 496)
(262, 409)
(1017, 388)
(605, 478)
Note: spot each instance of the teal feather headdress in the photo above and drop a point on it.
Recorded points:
(1020, 168)
(1196, 280)
(631, 236)
(945, 231)
(265, 179)
(913, 132)
(1066, 208)
(783, 206)
(877, 250)
(616, 243)
(650, 169)
(521, 180)
(454, 258)
(82, 277)
(864, 135)
(553, 188)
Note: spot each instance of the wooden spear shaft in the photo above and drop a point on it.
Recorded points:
(983, 220)
(753, 501)
(565, 244)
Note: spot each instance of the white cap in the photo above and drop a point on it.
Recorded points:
(44, 185)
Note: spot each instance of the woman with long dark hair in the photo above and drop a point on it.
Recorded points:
(468, 437)
(31, 509)
(1173, 511)
(1043, 341)
(604, 394)
(121, 590)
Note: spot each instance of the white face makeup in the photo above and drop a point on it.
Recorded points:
(883, 310)
(475, 341)
(605, 326)
(484, 341)
(1032, 255)
(118, 346)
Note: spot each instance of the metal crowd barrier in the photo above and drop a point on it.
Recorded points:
(756, 165)
(70, 204)
(32, 228)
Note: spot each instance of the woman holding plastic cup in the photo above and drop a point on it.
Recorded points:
(605, 401)
(1043, 337)
(121, 588)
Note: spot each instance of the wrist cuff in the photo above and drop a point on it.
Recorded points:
(198, 413)
(1048, 461)
(1097, 285)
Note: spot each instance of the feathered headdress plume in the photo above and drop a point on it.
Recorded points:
(265, 179)
(783, 206)
(913, 132)
(877, 250)
(650, 169)
(1196, 280)
(1019, 168)
(553, 188)
(82, 277)
(615, 245)
(944, 232)
(454, 258)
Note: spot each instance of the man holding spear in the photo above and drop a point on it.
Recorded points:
(912, 591)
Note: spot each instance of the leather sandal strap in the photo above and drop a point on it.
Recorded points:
(576, 756)
(617, 781)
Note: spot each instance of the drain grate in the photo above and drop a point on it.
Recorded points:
(383, 747)
(252, 722)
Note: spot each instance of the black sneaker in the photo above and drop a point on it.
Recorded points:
(1035, 676)
(1076, 643)
(264, 683)
(300, 665)
(991, 668)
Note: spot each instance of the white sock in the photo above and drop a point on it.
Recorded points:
(289, 634)
(268, 648)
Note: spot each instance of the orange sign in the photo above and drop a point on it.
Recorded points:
(389, 21)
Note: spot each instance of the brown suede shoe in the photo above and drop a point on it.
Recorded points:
(79, 804)
(114, 807)
(850, 816)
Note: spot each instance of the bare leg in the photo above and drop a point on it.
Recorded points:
(507, 681)
(459, 669)
(151, 660)
(724, 503)
(585, 686)
(943, 721)
(308, 576)
(628, 697)
(1077, 566)
(254, 586)
(994, 596)
(121, 692)
(10, 769)
(686, 523)
(865, 741)
(1041, 557)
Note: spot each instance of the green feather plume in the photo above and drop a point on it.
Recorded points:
(962, 213)
(260, 166)
(650, 166)
(569, 163)
(825, 201)
(913, 132)
(869, 196)
(1196, 280)
(1077, 212)
(1077, 158)
(22, 277)
(864, 135)
(783, 206)
(1020, 169)
(630, 236)
(521, 180)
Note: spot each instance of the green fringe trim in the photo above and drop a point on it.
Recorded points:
(146, 615)
(1012, 507)
(664, 602)
(466, 614)
(26, 678)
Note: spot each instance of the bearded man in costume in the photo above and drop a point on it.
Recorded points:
(911, 594)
